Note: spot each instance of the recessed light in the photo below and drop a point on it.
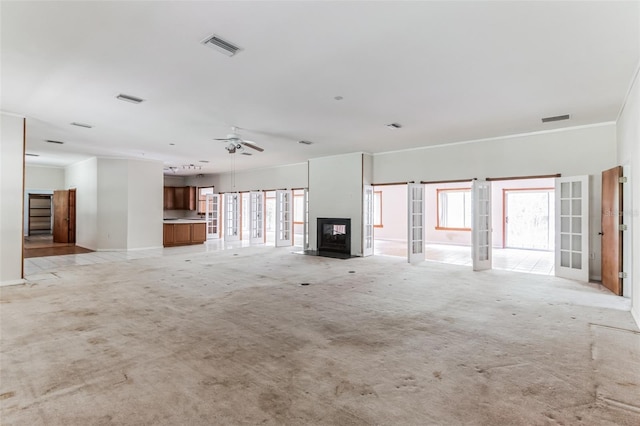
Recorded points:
(32, 155)
(86, 126)
(305, 142)
(394, 125)
(556, 118)
(338, 98)
(56, 142)
(128, 98)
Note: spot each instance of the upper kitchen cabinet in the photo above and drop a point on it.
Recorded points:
(179, 197)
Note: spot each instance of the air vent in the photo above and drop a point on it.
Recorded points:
(305, 142)
(394, 125)
(221, 45)
(247, 153)
(203, 161)
(57, 142)
(86, 126)
(32, 155)
(128, 98)
(556, 118)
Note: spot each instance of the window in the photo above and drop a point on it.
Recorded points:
(377, 209)
(202, 198)
(454, 209)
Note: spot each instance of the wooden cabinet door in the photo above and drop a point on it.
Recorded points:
(169, 198)
(182, 233)
(179, 198)
(190, 198)
(198, 232)
(168, 236)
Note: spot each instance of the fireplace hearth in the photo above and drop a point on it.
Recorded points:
(334, 237)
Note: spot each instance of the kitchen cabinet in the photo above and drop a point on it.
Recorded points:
(184, 232)
(180, 198)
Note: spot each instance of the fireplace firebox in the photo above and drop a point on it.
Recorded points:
(334, 237)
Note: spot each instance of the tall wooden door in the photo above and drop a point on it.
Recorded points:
(611, 229)
(64, 216)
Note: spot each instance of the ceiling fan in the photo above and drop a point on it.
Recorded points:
(237, 144)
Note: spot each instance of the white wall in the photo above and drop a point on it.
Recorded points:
(11, 196)
(83, 176)
(145, 201)
(271, 178)
(628, 133)
(335, 190)
(394, 213)
(574, 151)
(113, 204)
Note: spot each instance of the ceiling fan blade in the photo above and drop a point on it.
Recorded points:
(252, 145)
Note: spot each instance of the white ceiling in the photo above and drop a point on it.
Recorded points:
(446, 71)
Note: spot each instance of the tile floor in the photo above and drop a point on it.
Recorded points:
(528, 261)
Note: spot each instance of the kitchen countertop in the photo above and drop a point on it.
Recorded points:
(182, 221)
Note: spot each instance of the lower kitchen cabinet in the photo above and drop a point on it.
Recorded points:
(180, 234)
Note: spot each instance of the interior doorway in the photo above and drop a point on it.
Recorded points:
(529, 219)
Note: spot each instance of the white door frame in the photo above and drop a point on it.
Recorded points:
(232, 216)
(283, 218)
(572, 228)
(305, 244)
(415, 222)
(367, 220)
(212, 216)
(256, 217)
(481, 249)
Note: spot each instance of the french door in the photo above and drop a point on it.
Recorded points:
(283, 218)
(481, 224)
(416, 243)
(232, 216)
(256, 222)
(367, 221)
(212, 215)
(572, 228)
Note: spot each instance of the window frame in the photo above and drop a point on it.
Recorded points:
(446, 228)
(202, 201)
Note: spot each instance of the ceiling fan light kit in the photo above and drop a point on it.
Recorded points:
(237, 144)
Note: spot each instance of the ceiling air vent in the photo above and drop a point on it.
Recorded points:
(305, 142)
(86, 126)
(28, 154)
(221, 45)
(129, 98)
(56, 142)
(556, 118)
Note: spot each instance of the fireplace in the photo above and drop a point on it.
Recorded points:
(334, 237)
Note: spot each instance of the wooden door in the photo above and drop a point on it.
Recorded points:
(61, 216)
(611, 233)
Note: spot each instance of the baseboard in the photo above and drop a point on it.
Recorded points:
(12, 282)
(145, 248)
(635, 314)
